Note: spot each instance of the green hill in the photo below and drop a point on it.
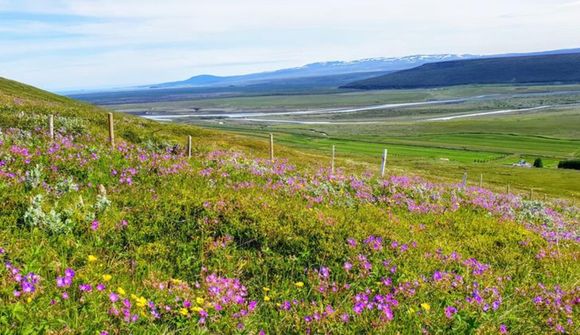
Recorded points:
(141, 239)
(563, 68)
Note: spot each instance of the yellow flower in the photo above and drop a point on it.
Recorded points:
(134, 297)
(141, 302)
(426, 306)
(265, 289)
(299, 284)
(107, 278)
(199, 300)
(196, 309)
(92, 258)
(29, 300)
(266, 298)
(121, 291)
(183, 311)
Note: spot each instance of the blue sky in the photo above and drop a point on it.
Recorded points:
(84, 44)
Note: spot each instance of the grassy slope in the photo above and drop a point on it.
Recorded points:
(184, 221)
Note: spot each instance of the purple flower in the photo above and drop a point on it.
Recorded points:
(60, 282)
(65, 281)
(351, 242)
(69, 273)
(329, 310)
(252, 305)
(65, 295)
(503, 329)
(388, 312)
(27, 287)
(387, 281)
(437, 276)
(450, 311)
(285, 306)
(95, 225)
(85, 287)
(347, 266)
(101, 287)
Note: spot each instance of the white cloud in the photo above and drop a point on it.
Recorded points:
(115, 42)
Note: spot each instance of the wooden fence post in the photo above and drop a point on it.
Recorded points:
(51, 126)
(189, 146)
(508, 188)
(111, 131)
(531, 194)
(332, 162)
(464, 182)
(384, 163)
(271, 147)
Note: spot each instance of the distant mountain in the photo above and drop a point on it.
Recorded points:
(550, 67)
(314, 70)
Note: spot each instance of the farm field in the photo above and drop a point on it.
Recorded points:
(423, 136)
(140, 238)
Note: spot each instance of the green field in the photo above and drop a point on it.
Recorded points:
(487, 145)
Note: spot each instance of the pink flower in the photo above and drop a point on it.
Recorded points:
(113, 297)
(95, 225)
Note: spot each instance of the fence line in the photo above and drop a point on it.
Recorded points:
(271, 147)
(111, 131)
(332, 162)
(333, 158)
(51, 126)
(384, 162)
(189, 146)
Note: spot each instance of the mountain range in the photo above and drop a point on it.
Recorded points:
(321, 69)
(334, 73)
(547, 68)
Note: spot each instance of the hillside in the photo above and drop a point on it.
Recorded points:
(139, 238)
(559, 68)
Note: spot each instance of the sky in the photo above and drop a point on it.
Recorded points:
(89, 44)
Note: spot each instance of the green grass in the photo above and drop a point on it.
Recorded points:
(275, 229)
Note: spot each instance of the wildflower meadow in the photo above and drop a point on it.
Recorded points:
(141, 239)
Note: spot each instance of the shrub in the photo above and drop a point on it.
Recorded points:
(570, 164)
(33, 178)
(52, 222)
(538, 163)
